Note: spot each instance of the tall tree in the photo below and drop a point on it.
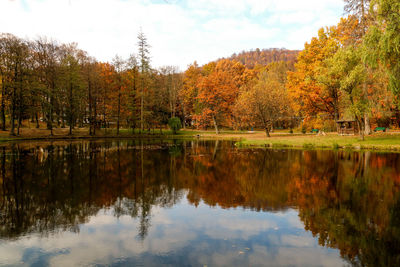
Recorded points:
(218, 91)
(91, 74)
(4, 70)
(72, 84)
(14, 72)
(133, 72)
(360, 8)
(188, 93)
(119, 68)
(144, 66)
(383, 41)
(348, 65)
(310, 97)
(47, 57)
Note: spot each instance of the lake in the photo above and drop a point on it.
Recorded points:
(196, 203)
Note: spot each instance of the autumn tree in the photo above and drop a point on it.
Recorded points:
(107, 78)
(132, 66)
(266, 100)
(72, 84)
(189, 91)
(218, 90)
(47, 58)
(91, 74)
(15, 58)
(119, 67)
(309, 96)
(5, 77)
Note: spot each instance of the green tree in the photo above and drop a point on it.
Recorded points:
(348, 66)
(47, 58)
(174, 124)
(72, 85)
(383, 41)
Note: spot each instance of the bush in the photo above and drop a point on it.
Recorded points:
(174, 124)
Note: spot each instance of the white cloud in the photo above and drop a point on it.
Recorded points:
(215, 236)
(179, 31)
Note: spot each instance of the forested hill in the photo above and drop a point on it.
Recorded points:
(265, 56)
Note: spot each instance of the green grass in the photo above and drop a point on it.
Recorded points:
(374, 142)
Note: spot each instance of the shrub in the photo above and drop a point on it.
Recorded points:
(174, 124)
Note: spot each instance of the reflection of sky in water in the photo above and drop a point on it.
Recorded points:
(179, 236)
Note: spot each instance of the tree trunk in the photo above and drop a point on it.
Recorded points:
(361, 128)
(37, 120)
(62, 118)
(134, 94)
(20, 99)
(70, 107)
(267, 131)
(215, 125)
(367, 124)
(119, 109)
(19, 123)
(336, 117)
(90, 107)
(184, 117)
(94, 115)
(51, 109)
(12, 119)
(141, 109)
(3, 117)
(3, 107)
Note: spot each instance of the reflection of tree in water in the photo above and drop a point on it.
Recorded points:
(353, 207)
(349, 200)
(58, 188)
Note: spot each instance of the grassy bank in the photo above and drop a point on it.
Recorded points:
(389, 141)
(279, 139)
(83, 133)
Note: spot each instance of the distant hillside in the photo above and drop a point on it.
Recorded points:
(265, 56)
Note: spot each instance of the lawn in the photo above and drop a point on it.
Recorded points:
(390, 141)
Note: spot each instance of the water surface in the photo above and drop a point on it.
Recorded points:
(196, 203)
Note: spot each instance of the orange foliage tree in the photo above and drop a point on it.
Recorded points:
(218, 91)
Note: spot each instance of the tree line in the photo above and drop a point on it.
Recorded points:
(62, 86)
(348, 71)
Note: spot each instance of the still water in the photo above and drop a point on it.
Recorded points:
(196, 203)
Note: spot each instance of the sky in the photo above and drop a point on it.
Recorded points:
(179, 31)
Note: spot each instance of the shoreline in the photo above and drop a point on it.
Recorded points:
(385, 142)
